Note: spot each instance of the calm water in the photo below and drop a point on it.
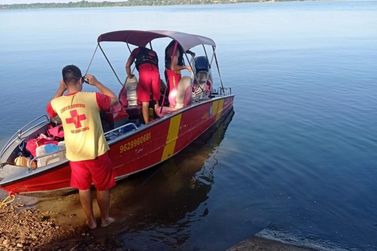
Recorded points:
(298, 158)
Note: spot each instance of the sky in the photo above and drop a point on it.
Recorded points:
(45, 1)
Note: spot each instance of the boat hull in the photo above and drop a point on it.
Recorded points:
(143, 149)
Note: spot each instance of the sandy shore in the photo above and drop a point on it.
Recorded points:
(23, 227)
(26, 228)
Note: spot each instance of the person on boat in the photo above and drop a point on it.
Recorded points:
(146, 61)
(86, 146)
(174, 64)
(202, 85)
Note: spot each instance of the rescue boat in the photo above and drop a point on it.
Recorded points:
(134, 147)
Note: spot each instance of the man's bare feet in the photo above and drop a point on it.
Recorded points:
(157, 110)
(106, 222)
(91, 225)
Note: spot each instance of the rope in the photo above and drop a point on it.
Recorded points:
(91, 61)
(9, 199)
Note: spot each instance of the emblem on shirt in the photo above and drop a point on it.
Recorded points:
(76, 120)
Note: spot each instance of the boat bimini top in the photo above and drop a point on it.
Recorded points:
(142, 38)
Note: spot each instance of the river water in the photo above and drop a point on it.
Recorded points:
(296, 160)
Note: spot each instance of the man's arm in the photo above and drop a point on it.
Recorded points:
(175, 67)
(130, 61)
(59, 92)
(102, 89)
(61, 89)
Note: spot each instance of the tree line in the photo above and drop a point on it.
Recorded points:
(84, 3)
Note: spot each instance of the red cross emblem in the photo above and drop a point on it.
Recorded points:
(75, 118)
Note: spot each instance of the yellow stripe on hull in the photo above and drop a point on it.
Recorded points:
(172, 137)
(217, 108)
(220, 107)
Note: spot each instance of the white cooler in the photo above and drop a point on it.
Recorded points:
(47, 155)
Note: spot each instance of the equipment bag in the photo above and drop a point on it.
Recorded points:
(24, 161)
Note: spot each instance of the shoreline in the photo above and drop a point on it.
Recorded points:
(263, 244)
(23, 226)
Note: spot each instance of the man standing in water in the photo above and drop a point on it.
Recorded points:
(86, 146)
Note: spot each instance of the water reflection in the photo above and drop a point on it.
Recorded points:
(157, 208)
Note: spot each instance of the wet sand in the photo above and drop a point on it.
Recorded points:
(31, 223)
(261, 244)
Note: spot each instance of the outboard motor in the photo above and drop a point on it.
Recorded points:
(203, 84)
(201, 69)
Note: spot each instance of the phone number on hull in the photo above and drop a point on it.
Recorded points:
(135, 142)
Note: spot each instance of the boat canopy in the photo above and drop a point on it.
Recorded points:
(142, 38)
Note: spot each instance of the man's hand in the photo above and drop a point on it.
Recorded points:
(91, 79)
(62, 86)
(103, 89)
(61, 89)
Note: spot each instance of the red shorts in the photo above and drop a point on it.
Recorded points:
(98, 171)
(149, 82)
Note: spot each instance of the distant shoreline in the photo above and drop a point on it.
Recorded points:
(129, 3)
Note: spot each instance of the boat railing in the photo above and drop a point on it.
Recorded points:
(119, 131)
(25, 129)
(225, 90)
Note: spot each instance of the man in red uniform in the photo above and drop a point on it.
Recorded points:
(86, 146)
(149, 77)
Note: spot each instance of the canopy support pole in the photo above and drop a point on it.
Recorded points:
(112, 68)
(218, 70)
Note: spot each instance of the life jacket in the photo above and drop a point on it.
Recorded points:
(169, 52)
(146, 56)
